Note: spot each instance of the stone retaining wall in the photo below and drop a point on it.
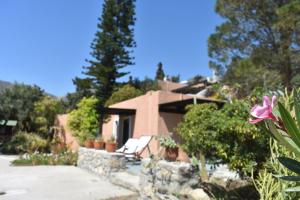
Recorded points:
(100, 162)
(164, 178)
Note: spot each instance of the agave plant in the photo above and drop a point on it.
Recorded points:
(283, 122)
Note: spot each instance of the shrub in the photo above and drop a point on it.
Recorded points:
(24, 142)
(84, 121)
(198, 132)
(224, 136)
(267, 185)
(243, 146)
(65, 157)
(45, 112)
(167, 141)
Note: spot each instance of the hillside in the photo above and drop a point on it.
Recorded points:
(4, 85)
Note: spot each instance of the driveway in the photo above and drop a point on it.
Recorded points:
(55, 183)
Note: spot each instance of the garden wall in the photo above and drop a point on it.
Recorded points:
(162, 179)
(100, 162)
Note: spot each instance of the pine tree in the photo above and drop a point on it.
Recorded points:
(264, 31)
(111, 48)
(160, 74)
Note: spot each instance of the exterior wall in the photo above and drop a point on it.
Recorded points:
(64, 133)
(145, 121)
(107, 128)
(168, 122)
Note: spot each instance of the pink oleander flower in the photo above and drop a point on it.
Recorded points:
(263, 112)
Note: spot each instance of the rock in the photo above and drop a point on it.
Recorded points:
(199, 194)
(194, 194)
(164, 179)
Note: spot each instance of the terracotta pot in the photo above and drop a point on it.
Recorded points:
(89, 143)
(171, 154)
(99, 144)
(110, 147)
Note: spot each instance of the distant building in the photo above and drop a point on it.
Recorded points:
(7, 129)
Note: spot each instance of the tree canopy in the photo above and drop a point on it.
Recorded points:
(17, 103)
(160, 74)
(124, 93)
(264, 31)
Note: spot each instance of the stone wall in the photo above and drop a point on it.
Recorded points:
(100, 162)
(160, 179)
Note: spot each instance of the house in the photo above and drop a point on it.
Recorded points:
(156, 112)
(7, 129)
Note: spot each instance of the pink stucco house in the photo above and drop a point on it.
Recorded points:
(154, 113)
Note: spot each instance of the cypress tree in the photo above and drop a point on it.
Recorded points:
(160, 74)
(111, 48)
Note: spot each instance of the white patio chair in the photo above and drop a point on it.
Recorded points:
(129, 147)
(142, 144)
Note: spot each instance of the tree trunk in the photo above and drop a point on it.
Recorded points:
(203, 172)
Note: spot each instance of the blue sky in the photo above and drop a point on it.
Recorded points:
(46, 42)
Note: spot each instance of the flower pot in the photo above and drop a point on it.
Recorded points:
(110, 147)
(171, 154)
(89, 143)
(98, 144)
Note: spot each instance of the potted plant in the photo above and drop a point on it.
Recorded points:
(89, 143)
(99, 143)
(111, 144)
(171, 148)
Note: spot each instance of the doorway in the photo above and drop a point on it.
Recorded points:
(126, 129)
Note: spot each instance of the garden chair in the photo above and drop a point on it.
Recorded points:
(142, 144)
(129, 147)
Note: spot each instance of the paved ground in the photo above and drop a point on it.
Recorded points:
(55, 183)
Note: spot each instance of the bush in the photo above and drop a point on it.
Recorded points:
(199, 133)
(225, 136)
(65, 157)
(24, 142)
(84, 121)
(267, 184)
(243, 146)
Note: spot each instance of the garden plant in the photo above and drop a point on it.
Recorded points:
(283, 122)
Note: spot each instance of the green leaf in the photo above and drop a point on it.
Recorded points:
(283, 140)
(293, 189)
(291, 164)
(290, 178)
(297, 106)
(289, 124)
